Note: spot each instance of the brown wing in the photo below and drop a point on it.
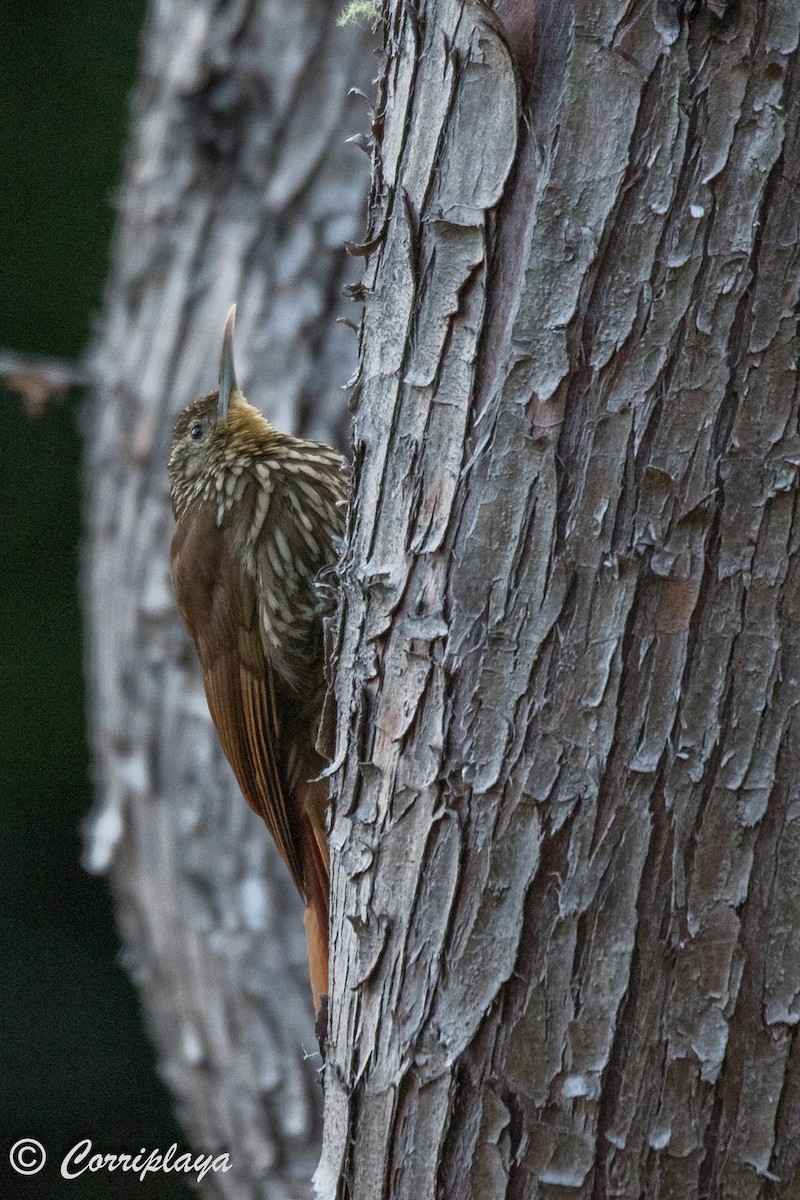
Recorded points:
(219, 605)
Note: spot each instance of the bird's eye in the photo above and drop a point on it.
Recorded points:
(197, 432)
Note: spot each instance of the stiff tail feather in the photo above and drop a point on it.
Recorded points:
(317, 889)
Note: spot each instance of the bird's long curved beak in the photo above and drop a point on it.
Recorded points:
(227, 371)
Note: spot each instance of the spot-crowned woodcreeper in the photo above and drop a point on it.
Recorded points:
(258, 516)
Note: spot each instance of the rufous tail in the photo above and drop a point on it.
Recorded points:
(317, 888)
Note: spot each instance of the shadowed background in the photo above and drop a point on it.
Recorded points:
(76, 1061)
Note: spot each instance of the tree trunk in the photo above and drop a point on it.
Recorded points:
(566, 911)
(238, 187)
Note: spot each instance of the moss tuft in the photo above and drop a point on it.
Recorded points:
(356, 11)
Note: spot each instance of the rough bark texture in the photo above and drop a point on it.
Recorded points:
(238, 186)
(566, 925)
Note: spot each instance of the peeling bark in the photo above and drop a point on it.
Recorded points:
(238, 186)
(566, 957)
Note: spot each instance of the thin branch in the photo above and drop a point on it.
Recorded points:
(39, 380)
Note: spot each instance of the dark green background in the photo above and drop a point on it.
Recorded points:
(75, 1060)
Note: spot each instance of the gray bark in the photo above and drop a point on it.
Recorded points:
(238, 186)
(566, 931)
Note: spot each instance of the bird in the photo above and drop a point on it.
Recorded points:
(259, 518)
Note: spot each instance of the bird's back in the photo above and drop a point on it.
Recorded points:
(246, 557)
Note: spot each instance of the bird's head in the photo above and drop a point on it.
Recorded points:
(214, 432)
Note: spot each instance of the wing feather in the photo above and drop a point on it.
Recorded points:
(219, 606)
(264, 725)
